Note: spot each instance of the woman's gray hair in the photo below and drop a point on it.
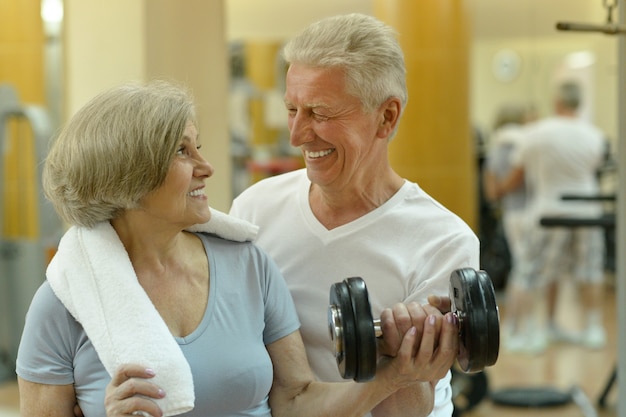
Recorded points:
(115, 150)
(364, 47)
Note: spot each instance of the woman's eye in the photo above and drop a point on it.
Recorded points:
(182, 150)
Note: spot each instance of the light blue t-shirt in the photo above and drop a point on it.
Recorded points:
(249, 307)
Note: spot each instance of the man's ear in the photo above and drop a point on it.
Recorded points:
(389, 116)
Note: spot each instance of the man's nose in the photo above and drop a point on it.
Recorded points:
(299, 129)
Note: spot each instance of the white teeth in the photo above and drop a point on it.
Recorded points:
(318, 154)
(196, 193)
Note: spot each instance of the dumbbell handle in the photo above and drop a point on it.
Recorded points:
(336, 329)
(378, 331)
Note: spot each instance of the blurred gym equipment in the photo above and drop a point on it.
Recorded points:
(30, 228)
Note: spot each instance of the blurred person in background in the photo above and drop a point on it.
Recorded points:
(508, 133)
(560, 155)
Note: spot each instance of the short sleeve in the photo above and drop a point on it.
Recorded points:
(281, 317)
(45, 354)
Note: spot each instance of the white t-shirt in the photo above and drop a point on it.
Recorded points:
(561, 155)
(405, 250)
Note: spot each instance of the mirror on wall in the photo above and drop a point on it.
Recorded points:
(516, 55)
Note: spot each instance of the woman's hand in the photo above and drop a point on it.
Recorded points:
(419, 343)
(129, 393)
(443, 304)
(396, 321)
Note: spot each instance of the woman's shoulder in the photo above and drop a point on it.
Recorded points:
(228, 249)
(46, 303)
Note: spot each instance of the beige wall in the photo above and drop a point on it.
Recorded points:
(277, 20)
(529, 28)
(185, 40)
(104, 45)
(107, 43)
(540, 64)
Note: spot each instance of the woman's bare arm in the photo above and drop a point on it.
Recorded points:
(44, 400)
(296, 392)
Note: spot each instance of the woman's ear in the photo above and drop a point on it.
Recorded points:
(389, 115)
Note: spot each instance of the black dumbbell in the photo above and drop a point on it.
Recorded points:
(354, 331)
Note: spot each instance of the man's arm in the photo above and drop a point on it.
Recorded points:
(514, 180)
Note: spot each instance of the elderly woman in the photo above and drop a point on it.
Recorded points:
(126, 173)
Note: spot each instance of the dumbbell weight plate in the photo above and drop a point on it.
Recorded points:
(352, 329)
(474, 303)
(366, 334)
(342, 329)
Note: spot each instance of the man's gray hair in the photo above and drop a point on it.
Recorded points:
(364, 47)
(569, 94)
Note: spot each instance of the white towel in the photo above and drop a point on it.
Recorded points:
(93, 277)
(228, 227)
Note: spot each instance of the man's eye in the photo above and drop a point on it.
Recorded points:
(320, 117)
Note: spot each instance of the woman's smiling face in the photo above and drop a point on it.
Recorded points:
(181, 199)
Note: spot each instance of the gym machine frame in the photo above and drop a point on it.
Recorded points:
(22, 260)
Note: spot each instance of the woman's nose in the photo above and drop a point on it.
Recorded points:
(203, 167)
